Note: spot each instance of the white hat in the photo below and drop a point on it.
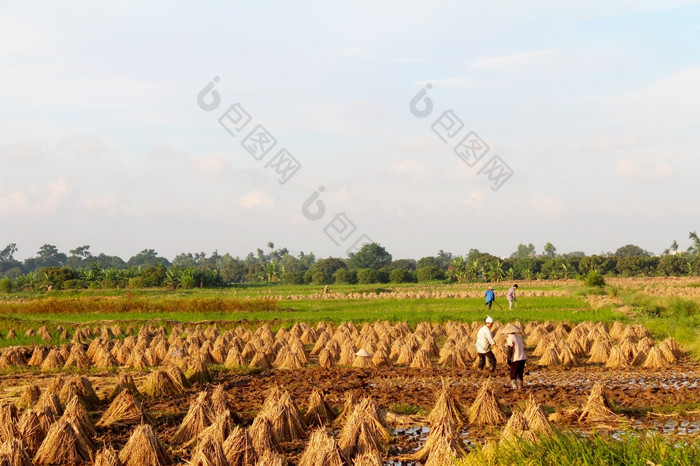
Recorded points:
(489, 320)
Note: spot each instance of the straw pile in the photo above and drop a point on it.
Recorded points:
(238, 448)
(567, 356)
(63, 445)
(600, 351)
(209, 452)
(539, 425)
(516, 429)
(370, 458)
(260, 432)
(143, 448)
(124, 382)
(197, 372)
(107, 457)
(321, 450)
(123, 411)
(30, 395)
(485, 410)
(30, 431)
(8, 421)
(13, 453)
(285, 418)
(550, 357)
(617, 358)
(159, 384)
(420, 360)
(319, 411)
(198, 417)
(363, 431)
(444, 441)
(82, 388)
(271, 458)
(446, 409)
(598, 407)
(77, 415)
(655, 359)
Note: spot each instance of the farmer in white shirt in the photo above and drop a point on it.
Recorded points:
(484, 343)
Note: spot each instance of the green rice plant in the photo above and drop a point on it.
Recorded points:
(630, 448)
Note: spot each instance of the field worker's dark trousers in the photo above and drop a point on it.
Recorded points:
(517, 368)
(491, 358)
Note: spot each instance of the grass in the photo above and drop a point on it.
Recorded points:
(633, 448)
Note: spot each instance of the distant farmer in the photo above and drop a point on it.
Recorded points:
(484, 343)
(510, 296)
(515, 354)
(490, 297)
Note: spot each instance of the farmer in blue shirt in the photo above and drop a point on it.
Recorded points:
(490, 297)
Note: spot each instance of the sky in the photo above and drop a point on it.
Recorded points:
(319, 126)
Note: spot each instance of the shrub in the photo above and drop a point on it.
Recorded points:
(345, 276)
(366, 276)
(400, 276)
(187, 282)
(594, 279)
(5, 285)
(429, 273)
(73, 284)
(292, 278)
(320, 277)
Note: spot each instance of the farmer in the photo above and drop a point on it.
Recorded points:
(490, 297)
(510, 296)
(516, 355)
(484, 343)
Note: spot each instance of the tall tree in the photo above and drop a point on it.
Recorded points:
(370, 256)
(631, 250)
(523, 251)
(549, 250)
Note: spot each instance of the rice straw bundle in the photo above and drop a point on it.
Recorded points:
(320, 343)
(348, 409)
(567, 357)
(82, 388)
(38, 355)
(77, 358)
(321, 450)
(325, 360)
(667, 352)
(291, 362)
(124, 382)
(197, 372)
(30, 431)
(451, 358)
(260, 361)
(63, 445)
(102, 358)
(629, 350)
(640, 358)
(143, 447)
(52, 361)
(655, 359)
(123, 411)
(30, 395)
(107, 457)
(369, 458)
(600, 351)
(78, 417)
(260, 432)
(319, 411)
(516, 429)
(363, 359)
(446, 409)
(672, 344)
(8, 421)
(238, 448)
(617, 358)
(645, 344)
(543, 345)
(357, 439)
(597, 407)
(234, 360)
(549, 357)
(444, 440)
(285, 418)
(420, 360)
(48, 407)
(137, 360)
(14, 453)
(199, 416)
(536, 420)
(11, 335)
(272, 458)
(380, 358)
(209, 452)
(347, 354)
(159, 384)
(405, 356)
(485, 410)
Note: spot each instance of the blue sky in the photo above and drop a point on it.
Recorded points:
(593, 107)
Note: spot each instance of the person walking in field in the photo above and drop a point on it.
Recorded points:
(484, 343)
(510, 296)
(490, 297)
(515, 352)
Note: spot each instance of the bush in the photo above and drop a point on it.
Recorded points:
(320, 278)
(367, 276)
(430, 273)
(292, 278)
(595, 280)
(345, 276)
(187, 282)
(400, 276)
(73, 284)
(5, 285)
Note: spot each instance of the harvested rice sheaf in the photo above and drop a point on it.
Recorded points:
(319, 412)
(446, 409)
(516, 429)
(321, 449)
(107, 457)
(597, 407)
(485, 410)
(30, 431)
(271, 458)
(285, 418)
(143, 447)
(260, 433)
(159, 384)
(238, 448)
(9, 417)
(198, 417)
(123, 411)
(63, 445)
(617, 358)
(30, 396)
(539, 425)
(209, 452)
(125, 381)
(655, 359)
(444, 438)
(82, 388)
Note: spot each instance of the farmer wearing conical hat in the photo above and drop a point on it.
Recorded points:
(484, 343)
(516, 355)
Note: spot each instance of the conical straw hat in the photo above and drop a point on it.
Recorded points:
(511, 328)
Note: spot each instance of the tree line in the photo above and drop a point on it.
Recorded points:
(80, 269)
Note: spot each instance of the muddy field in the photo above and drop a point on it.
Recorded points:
(640, 396)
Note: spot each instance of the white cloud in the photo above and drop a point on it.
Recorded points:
(208, 166)
(83, 145)
(525, 61)
(43, 200)
(412, 168)
(109, 204)
(547, 205)
(409, 61)
(256, 198)
(475, 197)
(644, 170)
(27, 150)
(461, 82)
